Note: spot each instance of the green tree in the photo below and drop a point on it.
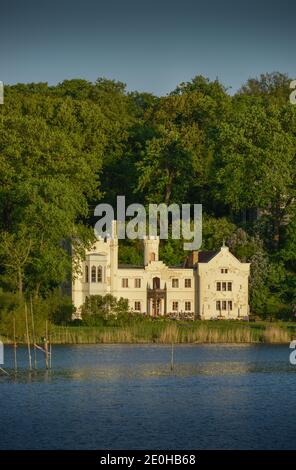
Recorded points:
(255, 167)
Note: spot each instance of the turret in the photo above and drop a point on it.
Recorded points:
(151, 245)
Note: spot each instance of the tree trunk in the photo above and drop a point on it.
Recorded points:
(20, 282)
(168, 189)
(37, 290)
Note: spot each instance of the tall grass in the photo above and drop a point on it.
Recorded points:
(168, 331)
(174, 332)
(205, 334)
(278, 335)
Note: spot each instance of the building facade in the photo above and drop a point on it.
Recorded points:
(209, 285)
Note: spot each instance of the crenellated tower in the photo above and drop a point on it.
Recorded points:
(151, 248)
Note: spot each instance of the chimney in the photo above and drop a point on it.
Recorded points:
(192, 259)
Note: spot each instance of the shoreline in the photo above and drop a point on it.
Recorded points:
(166, 332)
(147, 343)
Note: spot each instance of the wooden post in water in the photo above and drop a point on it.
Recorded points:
(50, 352)
(4, 371)
(28, 338)
(33, 333)
(49, 346)
(14, 345)
(172, 357)
(46, 345)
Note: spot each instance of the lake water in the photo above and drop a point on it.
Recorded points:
(126, 397)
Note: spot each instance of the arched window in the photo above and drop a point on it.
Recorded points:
(156, 283)
(100, 274)
(93, 274)
(152, 256)
(86, 274)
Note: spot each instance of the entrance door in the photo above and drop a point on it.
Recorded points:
(156, 307)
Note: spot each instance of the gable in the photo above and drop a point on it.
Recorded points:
(223, 258)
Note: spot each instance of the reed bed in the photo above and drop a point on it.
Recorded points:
(174, 332)
(205, 334)
(276, 335)
(169, 331)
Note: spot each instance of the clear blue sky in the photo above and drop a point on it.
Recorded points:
(150, 45)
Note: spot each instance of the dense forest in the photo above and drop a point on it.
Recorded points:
(66, 148)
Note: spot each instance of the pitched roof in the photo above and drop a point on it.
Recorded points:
(206, 256)
(203, 257)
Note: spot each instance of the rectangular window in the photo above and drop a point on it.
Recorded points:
(137, 283)
(229, 304)
(218, 305)
(224, 286)
(224, 271)
(124, 282)
(223, 304)
(175, 283)
(218, 285)
(187, 282)
(138, 306)
(229, 286)
(188, 306)
(175, 306)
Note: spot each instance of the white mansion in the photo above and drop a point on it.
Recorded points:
(209, 285)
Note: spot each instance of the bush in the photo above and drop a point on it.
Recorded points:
(99, 310)
(60, 308)
(55, 308)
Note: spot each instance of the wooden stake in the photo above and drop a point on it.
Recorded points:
(14, 346)
(172, 357)
(4, 371)
(46, 345)
(33, 333)
(28, 338)
(50, 352)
